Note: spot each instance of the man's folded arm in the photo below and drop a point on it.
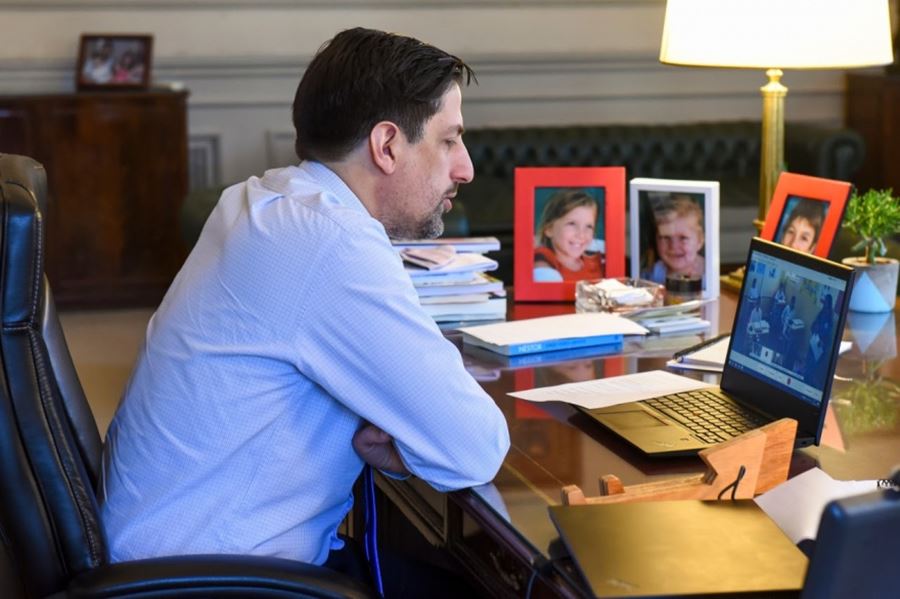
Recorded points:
(388, 362)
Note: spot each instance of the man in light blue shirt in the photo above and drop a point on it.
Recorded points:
(291, 346)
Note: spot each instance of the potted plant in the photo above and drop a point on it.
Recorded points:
(873, 216)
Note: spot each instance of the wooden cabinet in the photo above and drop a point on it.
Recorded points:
(873, 109)
(117, 175)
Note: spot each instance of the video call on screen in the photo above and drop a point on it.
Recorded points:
(785, 330)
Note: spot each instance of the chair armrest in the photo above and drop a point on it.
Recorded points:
(212, 575)
(823, 151)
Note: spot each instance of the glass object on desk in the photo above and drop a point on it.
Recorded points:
(622, 294)
(683, 288)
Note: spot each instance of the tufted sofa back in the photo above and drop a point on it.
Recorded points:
(695, 151)
(726, 151)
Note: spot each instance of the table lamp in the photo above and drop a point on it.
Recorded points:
(775, 35)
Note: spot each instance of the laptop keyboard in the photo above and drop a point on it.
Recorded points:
(709, 416)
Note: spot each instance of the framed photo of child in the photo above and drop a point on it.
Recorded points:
(674, 228)
(569, 226)
(114, 61)
(806, 212)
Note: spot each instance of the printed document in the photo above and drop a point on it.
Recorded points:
(796, 505)
(602, 393)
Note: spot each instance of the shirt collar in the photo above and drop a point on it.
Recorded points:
(333, 183)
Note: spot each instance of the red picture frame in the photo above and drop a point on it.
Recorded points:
(535, 188)
(802, 203)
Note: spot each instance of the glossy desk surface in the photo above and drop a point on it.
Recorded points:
(553, 445)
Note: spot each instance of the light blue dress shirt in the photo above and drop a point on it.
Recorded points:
(290, 323)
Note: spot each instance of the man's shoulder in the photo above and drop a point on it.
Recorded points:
(312, 187)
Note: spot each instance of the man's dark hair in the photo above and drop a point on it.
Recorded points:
(362, 77)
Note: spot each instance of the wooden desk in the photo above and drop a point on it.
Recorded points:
(502, 536)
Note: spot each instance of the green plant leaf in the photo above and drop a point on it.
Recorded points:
(872, 216)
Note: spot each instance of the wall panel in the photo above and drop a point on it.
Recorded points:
(539, 61)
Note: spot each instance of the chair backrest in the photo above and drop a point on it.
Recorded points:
(857, 547)
(49, 444)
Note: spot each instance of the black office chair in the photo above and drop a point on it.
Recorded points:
(857, 548)
(51, 539)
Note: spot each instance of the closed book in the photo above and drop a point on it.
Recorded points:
(677, 325)
(493, 308)
(542, 358)
(551, 333)
(461, 244)
(517, 349)
(481, 283)
(458, 263)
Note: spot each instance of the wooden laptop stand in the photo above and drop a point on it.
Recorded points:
(737, 469)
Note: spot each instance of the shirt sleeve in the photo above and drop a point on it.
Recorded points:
(385, 359)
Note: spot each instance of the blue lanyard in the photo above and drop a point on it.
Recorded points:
(370, 535)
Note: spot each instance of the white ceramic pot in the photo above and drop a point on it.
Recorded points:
(875, 289)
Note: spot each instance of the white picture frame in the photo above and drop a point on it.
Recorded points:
(651, 197)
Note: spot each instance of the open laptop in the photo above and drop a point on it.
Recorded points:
(780, 361)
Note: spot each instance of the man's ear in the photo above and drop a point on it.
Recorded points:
(385, 142)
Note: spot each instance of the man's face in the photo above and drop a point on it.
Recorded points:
(424, 184)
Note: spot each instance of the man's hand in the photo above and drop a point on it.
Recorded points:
(376, 448)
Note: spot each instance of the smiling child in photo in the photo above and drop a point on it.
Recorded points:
(564, 239)
(679, 239)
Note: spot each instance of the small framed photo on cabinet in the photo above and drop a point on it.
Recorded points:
(674, 226)
(569, 226)
(806, 212)
(114, 61)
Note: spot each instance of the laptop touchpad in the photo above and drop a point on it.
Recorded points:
(635, 419)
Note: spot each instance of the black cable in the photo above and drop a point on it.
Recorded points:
(734, 485)
(541, 566)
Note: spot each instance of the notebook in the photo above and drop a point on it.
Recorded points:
(780, 360)
(673, 548)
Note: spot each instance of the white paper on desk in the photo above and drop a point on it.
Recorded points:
(712, 357)
(796, 505)
(602, 393)
(566, 326)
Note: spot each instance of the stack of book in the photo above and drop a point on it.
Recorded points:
(450, 276)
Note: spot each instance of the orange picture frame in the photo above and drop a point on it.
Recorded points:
(536, 188)
(802, 203)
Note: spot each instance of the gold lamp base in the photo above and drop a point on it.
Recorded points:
(771, 158)
(733, 280)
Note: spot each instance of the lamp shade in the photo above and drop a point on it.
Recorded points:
(782, 34)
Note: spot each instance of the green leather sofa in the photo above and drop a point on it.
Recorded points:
(727, 152)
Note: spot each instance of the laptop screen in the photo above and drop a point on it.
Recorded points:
(788, 324)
